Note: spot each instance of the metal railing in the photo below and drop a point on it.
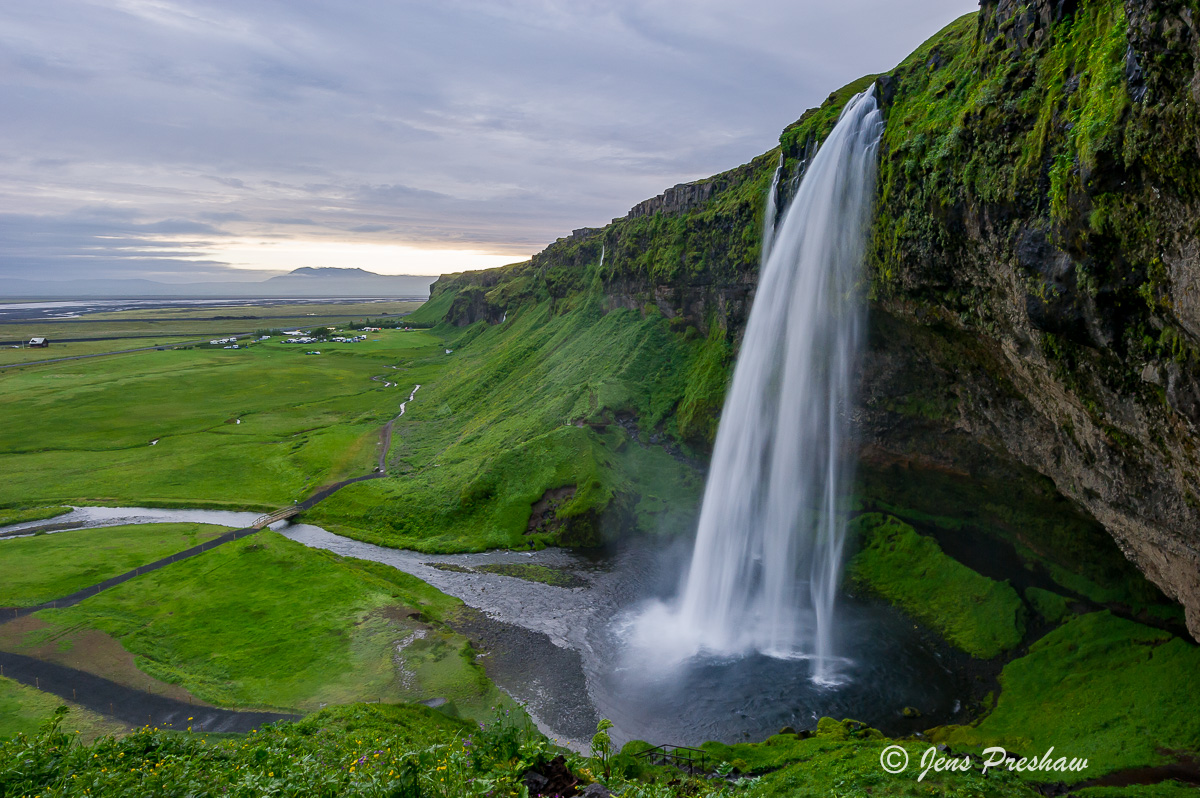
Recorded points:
(693, 760)
(278, 515)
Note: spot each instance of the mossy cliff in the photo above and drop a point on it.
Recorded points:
(1034, 277)
(1037, 232)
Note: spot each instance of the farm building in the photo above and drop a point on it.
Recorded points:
(39, 342)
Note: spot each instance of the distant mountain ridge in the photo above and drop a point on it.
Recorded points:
(306, 282)
(325, 272)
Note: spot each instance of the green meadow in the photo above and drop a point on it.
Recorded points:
(253, 428)
(265, 622)
(37, 569)
(207, 322)
(9, 355)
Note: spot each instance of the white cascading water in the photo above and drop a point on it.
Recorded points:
(768, 553)
(770, 212)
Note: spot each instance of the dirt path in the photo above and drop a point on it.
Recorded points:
(386, 439)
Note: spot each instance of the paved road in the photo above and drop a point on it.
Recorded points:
(127, 704)
(104, 354)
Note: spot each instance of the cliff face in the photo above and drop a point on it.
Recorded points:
(1034, 274)
(1039, 191)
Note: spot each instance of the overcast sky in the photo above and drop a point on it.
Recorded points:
(207, 139)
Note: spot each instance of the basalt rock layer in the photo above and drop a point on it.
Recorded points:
(1034, 270)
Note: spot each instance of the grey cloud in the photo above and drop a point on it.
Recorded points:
(232, 182)
(489, 123)
(290, 220)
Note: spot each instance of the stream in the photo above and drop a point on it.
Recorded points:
(563, 652)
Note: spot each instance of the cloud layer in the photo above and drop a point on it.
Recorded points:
(175, 139)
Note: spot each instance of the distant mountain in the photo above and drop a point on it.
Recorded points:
(305, 282)
(324, 273)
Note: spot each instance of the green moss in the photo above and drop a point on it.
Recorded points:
(981, 616)
(533, 573)
(707, 374)
(1022, 507)
(1050, 606)
(1100, 687)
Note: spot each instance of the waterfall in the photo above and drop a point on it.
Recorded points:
(770, 212)
(601, 266)
(768, 554)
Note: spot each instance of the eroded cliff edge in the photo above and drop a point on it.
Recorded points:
(1035, 268)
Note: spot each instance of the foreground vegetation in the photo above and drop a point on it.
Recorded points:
(404, 751)
(408, 752)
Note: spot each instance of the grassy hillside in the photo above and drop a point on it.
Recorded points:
(561, 405)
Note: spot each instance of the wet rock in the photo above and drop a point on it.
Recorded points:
(1134, 76)
(596, 790)
(553, 778)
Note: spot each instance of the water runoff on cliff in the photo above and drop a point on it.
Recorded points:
(764, 573)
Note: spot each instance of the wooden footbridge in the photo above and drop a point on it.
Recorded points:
(278, 515)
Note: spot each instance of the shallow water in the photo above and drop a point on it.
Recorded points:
(92, 517)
